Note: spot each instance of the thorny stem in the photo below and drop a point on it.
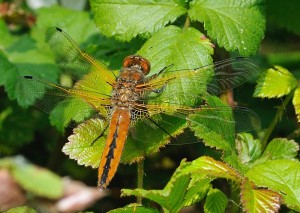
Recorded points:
(140, 178)
(276, 119)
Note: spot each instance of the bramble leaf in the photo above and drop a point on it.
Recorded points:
(259, 200)
(215, 127)
(296, 102)
(234, 24)
(280, 148)
(216, 201)
(84, 144)
(115, 17)
(177, 193)
(134, 207)
(209, 167)
(282, 176)
(182, 49)
(249, 149)
(274, 83)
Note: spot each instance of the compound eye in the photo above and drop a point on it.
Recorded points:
(134, 60)
(145, 65)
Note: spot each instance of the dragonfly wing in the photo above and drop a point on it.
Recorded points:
(187, 87)
(84, 97)
(76, 62)
(62, 103)
(231, 73)
(214, 116)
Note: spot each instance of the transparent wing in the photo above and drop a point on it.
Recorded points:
(166, 125)
(187, 87)
(62, 103)
(75, 61)
(182, 93)
(89, 89)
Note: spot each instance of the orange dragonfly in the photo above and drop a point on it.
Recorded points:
(131, 95)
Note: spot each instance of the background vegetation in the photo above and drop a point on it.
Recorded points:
(257, 172)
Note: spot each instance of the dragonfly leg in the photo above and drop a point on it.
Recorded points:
(99, 136)
(160, 72)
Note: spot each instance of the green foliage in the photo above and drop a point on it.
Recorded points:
(238, 20)
(179, 35)
(21, 209)
(256, 199)
(234, 24)
(271, 175)
(281, 176)
(267, 85)
(179, 191)
(296, 102)
(134, 208)
(34, 179)
(216, 201)
(150, 16)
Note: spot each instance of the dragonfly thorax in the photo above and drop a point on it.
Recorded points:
(124, 93)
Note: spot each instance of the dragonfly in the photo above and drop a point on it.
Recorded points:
(132, 94)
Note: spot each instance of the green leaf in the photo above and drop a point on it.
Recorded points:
(197, 190)
(21, 209)
(209, 167)
(33, 57)
(115, 17)
(71, 21)
(281, 148)
(146, 138)
(37, 180)
(181, 48)
(274, 83)
(82, 145)
(172, 197)
(234, 24)
(216, 201)
(296, 102)
(259, 200)
(16, 126)
(283, 14)
(134, 207)
(29, 61)
(74, 109)
(184, 50)
(282, 176)
(8, 72)
(249, 149)
(215, 127)
(6, 37)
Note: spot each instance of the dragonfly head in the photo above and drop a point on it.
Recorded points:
(138, 62)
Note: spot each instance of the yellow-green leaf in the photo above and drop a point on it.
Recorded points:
(85, 145)
(209, 167)
(282, 176)
(259, 200)
(37, 180)
(274, 83)
(216, 201)
(296, 102)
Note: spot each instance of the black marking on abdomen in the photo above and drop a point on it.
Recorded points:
(109, 157)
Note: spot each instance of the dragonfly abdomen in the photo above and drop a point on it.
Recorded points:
(119, 124)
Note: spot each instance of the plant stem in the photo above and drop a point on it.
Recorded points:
(276, 119)
(140, 178)
(187, 22)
